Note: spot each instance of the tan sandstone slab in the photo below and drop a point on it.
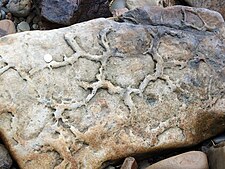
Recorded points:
(189, 160)
(81, 96)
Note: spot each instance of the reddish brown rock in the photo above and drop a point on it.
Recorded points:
(129, 163)
(7, 27)
(189, 160)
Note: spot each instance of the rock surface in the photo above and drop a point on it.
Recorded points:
(5, 159)
(216, 156)
(19, 8)
(153, 81)
(59, 11)
(6, 27)
(189, 160)
(23, 26)
(217, 5)
(117, 7)
(132, 4)
(73, 11)
(129, 163)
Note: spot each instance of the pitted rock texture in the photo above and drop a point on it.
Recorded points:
(112, 89)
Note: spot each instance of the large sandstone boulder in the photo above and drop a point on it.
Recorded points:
(80, 96)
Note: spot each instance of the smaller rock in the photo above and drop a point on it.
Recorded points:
(5, 9)
(129, 163)
(9, 16)
(23, 26)
(189, 160)
(5, 159)
(117, 7)
(35, 26)
(117, 4)
(7, 27)
(2, 14)
(19, 8)
(59, 11)
(216, 157)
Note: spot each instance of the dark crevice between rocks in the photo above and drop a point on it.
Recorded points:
(14, 163)
(6, 146)
(156, 156)
(182, 2)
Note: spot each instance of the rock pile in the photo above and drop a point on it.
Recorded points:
(23, 13)
(32, 15)
(47, 14)
(6, 27)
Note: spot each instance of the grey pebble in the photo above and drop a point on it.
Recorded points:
(5, 9)
(23, 26)
(2, 14)
(35, 26)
